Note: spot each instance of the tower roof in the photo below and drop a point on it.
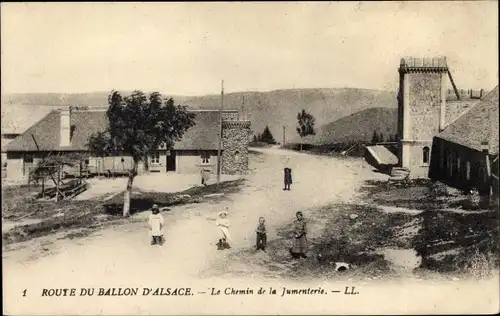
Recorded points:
(435, 64)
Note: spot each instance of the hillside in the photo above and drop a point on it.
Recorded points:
(357, 127)
(274, 108)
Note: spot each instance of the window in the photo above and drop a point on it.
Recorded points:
(449, 163)
(28, 158)
(155, 158)
(458, 164)
(441, 158)
(205, 157)
(72, 131)
(237, 156)
(425, 155)
(467, 170)
(87, 162)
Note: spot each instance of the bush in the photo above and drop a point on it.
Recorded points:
(481, 265)
(259, 144)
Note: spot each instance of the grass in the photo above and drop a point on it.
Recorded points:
(255, 153)
(92, 214)
(337, 238)
(144, 200)
(259, 145)
(449, 241)
(15, 198)
(455, 236)
(329, 149)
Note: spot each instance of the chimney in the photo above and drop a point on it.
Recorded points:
(65, 128)
(485, 147)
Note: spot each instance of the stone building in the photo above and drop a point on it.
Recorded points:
(465, 154)
(68, 130)
(425, 108)
(17, 118)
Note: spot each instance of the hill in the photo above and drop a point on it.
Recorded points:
(357, 127)
(274, 108)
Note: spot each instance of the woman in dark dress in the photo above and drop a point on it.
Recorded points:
(299, 242)
(288, 178)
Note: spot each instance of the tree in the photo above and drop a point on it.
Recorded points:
(375, 137)
(138, 125)
(381, 137)
(255, 139)
(267, 136)
(305, 124)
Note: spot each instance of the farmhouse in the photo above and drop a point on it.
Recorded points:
(425, 108)
(67, 131)
(25, 116)
(465, 154)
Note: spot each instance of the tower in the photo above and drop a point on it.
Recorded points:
(235, 139)
(421, 110)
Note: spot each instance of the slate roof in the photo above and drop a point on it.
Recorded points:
(382, 155)
(477, 125)
(17, 118)
(202, 136)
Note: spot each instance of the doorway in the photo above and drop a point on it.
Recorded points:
(171, 161)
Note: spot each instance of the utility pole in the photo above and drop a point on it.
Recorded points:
(220, 133)
(242, 108)
(284, 139)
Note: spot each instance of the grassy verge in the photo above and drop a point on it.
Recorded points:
(328, 149)
(429, 224)
(334, 236)
(91, 215)
(259, 145)
(454, 234)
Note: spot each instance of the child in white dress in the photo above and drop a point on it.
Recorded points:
(223, 225)
(156, 226)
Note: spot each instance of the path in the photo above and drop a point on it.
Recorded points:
(318, 180)
(121, 256)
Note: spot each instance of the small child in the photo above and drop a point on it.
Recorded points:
(261, 234)
(156, 226)
(223, 225)
(204, 177)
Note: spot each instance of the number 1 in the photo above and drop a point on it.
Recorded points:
(24, 292)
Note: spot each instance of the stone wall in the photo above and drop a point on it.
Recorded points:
(455, 108)
(416, 165)
(425, 104)
(15, 166)
(190, 161)
(465, 94)
(235, 139)
(230, 115)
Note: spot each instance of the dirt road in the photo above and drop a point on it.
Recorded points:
(121, 256)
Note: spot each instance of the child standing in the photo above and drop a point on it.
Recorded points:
(223, 225)
(156, 225)
(261, 234)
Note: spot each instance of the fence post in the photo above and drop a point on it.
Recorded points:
(58, 183)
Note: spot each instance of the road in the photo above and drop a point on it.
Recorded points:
(122, 257)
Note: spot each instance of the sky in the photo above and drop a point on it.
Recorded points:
(188, 48)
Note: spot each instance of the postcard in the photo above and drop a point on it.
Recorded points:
(220, 158)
